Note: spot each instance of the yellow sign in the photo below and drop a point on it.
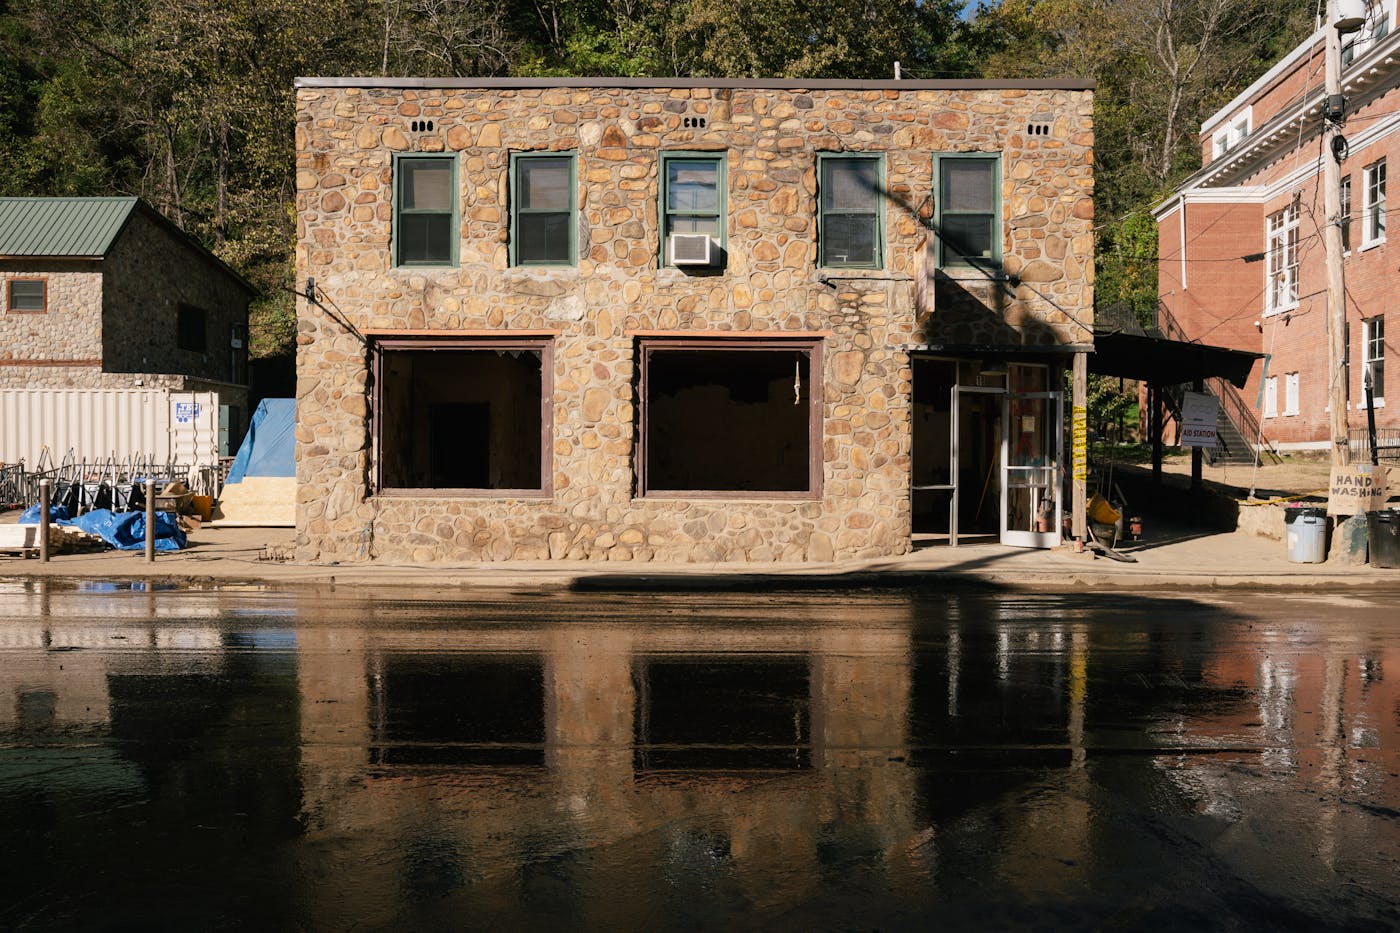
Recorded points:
(1079, 441)
(1356, 489)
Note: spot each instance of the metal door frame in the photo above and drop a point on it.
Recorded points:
(954, 454)
(1054, 423)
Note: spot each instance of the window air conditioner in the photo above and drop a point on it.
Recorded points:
(690, 249)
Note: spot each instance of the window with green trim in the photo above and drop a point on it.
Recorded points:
(969, 210)
(425, 215)
(693, 194)
(849, 220)
(544, 205)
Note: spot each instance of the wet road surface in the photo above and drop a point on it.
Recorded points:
(232, 758)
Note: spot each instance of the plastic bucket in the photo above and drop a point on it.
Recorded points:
(1383, 538)
(1306, 533)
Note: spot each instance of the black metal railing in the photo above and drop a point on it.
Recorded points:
(1387, 445)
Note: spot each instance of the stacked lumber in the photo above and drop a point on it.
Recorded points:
(23, 540)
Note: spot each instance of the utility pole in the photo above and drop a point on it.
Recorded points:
(1334, 112)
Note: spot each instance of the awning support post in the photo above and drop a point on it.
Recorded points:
(1196, 452)
(1079, 401)
(1154, 401)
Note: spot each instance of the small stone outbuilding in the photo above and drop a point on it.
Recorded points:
(106, 293)
(681, 320)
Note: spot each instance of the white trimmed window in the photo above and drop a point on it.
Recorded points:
(1344, 221)
(1373, 355)
(1271, 396)
(1282, 289)
(1373, 207)
(1290, 394)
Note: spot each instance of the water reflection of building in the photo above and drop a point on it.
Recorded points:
(743, 756)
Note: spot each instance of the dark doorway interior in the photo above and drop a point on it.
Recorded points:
(460, 419)
(728, 420)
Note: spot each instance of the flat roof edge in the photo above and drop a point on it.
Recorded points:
(786, 84)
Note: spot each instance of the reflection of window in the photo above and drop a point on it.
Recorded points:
(1283, 259)
(969, 210)
(484, 710)
(1290, 394)
(189, 329)
(425, 199)
(718, 713)
(1373, 354)
(725, 417)
(1373, 206)
(692, 194)
(543, 205)
(466, 416)
(848, 223)
(28, 295)
(1271, 396)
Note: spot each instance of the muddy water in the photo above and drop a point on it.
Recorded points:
(242, 759)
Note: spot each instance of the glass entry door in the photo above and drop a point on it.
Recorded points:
(1031, 449)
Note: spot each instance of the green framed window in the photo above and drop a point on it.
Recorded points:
(693, 195)
(850, 216)
(968, 198)
(544, 209)
(425, 210)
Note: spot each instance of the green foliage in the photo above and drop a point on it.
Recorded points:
(1110, 403)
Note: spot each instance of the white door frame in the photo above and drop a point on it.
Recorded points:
(1054, 418)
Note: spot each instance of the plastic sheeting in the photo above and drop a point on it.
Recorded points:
(125, 531)
(269, 448)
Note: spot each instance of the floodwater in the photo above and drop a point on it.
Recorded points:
(235, 758)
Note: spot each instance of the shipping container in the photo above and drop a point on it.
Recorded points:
(157, 425)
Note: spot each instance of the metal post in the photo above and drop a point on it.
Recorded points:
(1154, 408)
(150, 521)
(1369, 384)
(43, 521)
(1339, 389)
(1079, 393)
(1196, 452)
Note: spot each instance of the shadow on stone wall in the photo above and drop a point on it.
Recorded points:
(981, 313)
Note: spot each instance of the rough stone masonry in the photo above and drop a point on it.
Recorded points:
(620, 292)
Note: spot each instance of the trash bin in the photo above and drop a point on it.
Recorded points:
(1306, 531)
(1383, 537)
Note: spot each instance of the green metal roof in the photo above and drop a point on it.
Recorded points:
(61, 226)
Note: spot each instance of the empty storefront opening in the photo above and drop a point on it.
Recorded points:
(730, 419)
(467, 417)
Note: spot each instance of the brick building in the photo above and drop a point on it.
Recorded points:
(648, 319)
(105, 293)
(1241, 245)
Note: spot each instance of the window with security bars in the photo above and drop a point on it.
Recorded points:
(969, 210)
(425, 211)
(848, 225)
(543, 210)
(1283, 259)
(1373, 211)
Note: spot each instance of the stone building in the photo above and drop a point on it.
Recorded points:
(678, 320)
(105, 293)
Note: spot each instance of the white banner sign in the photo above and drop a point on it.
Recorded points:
(1199, 413)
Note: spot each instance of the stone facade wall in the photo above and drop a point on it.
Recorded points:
(617, 294)
(62, 347)
(149, 272)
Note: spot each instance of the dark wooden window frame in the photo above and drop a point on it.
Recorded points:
(10, 296)
(544, 345)
(811, 343)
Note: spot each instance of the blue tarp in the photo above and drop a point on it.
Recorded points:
(125, 531)
(269, 449)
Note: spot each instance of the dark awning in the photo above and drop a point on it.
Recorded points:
(1168, 362)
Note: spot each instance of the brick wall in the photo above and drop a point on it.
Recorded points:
(597, 311)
